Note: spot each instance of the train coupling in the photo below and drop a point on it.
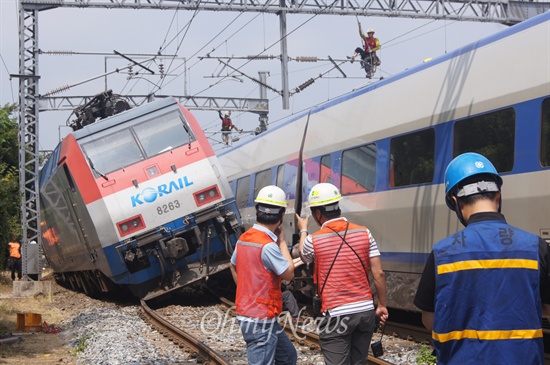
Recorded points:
(231, 218)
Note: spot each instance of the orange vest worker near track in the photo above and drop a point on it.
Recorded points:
(15, 259)
(260, 262)
(343, 253)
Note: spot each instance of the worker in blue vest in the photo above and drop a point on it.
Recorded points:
(484, 289)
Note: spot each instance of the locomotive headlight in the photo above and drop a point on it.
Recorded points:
(207, 195)
(130, 225)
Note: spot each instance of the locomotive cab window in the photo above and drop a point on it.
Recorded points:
(359, 169)
(112, 152)
(545, 134)
(491, 135)
(412, 158)
(116, 148)
(163, 133)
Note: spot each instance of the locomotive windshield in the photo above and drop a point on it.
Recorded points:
(124, 145)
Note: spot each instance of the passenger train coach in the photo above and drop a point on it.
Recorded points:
(137, 201)
(386, 147)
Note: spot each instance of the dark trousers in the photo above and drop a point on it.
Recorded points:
(15, 265)
(364, 55)
(290, 304)
(345, 340)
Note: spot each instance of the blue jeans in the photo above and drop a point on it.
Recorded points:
(267, 343)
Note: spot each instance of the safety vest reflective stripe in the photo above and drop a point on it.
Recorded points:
(488, 264)
(487, 335)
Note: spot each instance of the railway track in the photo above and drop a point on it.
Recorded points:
(402, 342)
(304, 337)
(196, 348)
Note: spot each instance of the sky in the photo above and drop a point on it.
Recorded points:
(78, 49)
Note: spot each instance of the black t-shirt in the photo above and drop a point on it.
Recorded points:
(425, 294)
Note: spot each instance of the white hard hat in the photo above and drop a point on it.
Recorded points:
(370, 30)
(227, 112)
(272, 195)
(324, 194)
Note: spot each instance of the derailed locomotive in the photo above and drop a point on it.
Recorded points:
(138, 201)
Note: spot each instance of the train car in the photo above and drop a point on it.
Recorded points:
(137, 201)
(387, 144)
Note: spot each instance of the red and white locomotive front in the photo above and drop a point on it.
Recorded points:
(147, 197)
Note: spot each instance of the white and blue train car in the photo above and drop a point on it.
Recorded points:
(386, 147)
(137, 201)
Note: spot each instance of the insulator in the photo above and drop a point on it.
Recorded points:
(58, 90)
(304, 85)
(62, 53)
(261, 57)
(161, 68)
(307, 59)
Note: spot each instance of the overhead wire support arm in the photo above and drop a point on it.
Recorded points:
(253, 57)
(312, 80)
(134, 62)
(251, 105)
(337, 66)
(250, 77)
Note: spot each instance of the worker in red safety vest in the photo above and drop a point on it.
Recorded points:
(369, 58)
(343, 254)
(227, 126)
(260, 262)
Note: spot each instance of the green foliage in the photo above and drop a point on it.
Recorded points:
(9, 181)
(425, 357)
(9, 150)
(80, 345)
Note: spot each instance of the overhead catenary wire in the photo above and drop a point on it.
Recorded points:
(166, 82)
(8, 72)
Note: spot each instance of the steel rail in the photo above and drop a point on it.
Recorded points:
(177, 335)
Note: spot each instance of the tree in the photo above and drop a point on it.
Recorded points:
(9, 180)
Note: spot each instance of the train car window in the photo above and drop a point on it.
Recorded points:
(163, 133)
(243, 192)
(412, 158)
(112, 152)
(280, 176)
(491, 135)
(291, 179)
(358, 169)
(545, 134)
(324, 173)
(263, 178)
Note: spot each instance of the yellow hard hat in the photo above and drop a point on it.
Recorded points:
(271, 195)
(324, 194)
